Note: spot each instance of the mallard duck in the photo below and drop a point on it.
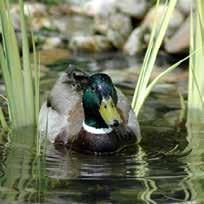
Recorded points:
(89, 114)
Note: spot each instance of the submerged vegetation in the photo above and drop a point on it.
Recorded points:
(22, 89)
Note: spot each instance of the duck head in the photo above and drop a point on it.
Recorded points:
(100, 102)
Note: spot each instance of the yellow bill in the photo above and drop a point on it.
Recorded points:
(109, 112)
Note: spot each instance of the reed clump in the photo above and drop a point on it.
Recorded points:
(20, 76)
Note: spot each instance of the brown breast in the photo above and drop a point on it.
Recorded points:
(101, 144)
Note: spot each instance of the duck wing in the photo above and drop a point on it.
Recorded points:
(67, 91)
(62, 114)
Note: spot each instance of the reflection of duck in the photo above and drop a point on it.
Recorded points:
(89, 113)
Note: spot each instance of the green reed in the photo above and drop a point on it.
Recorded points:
(158, 32)
(22, 83)
(196, 82)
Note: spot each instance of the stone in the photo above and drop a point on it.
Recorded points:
(119, 29)
(52, 42)
(179, 42)
(116, 27)
(74, 25)
(135, 42)
(35, 9)
(185, 6)
(37, 13)
(50, 56)
(147, 114)
(172, 117)
(116, 39)
(41, 22)
(95, 43)
(133, 8)
(157, 12)
(64, 9)
(99, 7)
(165, 89)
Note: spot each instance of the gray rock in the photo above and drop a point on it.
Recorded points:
(134, 8)
(37, 13)
(135, 43)
(95, 43)
(52, 42)
(172, 117)
(164, 88)
(157, 12)
(120, 22)
(147, 114)
(185, 6)
(179, 42)
(119, 28)
(115, 38)
(74, 25)
(35, 9)
(101, 24)
(116, 27)
(99, 7)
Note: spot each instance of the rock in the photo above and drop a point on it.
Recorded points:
(128, 75)
(147, 114)
(135, 42)
(165, 89)
(37, 13)
(51, 56)
(75, 25)
(179, 42)
(139, 38)
(116, 27)
(63, 9)
(116, 39)
(35, 9)
(31, 9)
(133, 8)
(119, 29)
(101, 24)
(121, 23)
(99, 7)
(157, 12)
(52, 42)
(39, 23)
(95, 43)
(185, 6)
(172, 117)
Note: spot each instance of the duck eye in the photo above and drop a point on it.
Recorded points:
(112, 105)
(105, 106)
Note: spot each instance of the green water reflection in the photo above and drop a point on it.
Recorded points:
(153, 174)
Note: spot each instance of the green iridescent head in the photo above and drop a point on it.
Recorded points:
(100, 102)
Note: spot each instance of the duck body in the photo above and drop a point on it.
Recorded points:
(88, 114)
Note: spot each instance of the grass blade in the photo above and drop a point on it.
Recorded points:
(28, 82)
(150, 57)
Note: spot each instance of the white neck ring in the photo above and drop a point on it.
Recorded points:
(97, 131)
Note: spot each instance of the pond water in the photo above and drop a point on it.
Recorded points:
(159, 170)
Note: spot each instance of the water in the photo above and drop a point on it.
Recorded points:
(159, 170)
